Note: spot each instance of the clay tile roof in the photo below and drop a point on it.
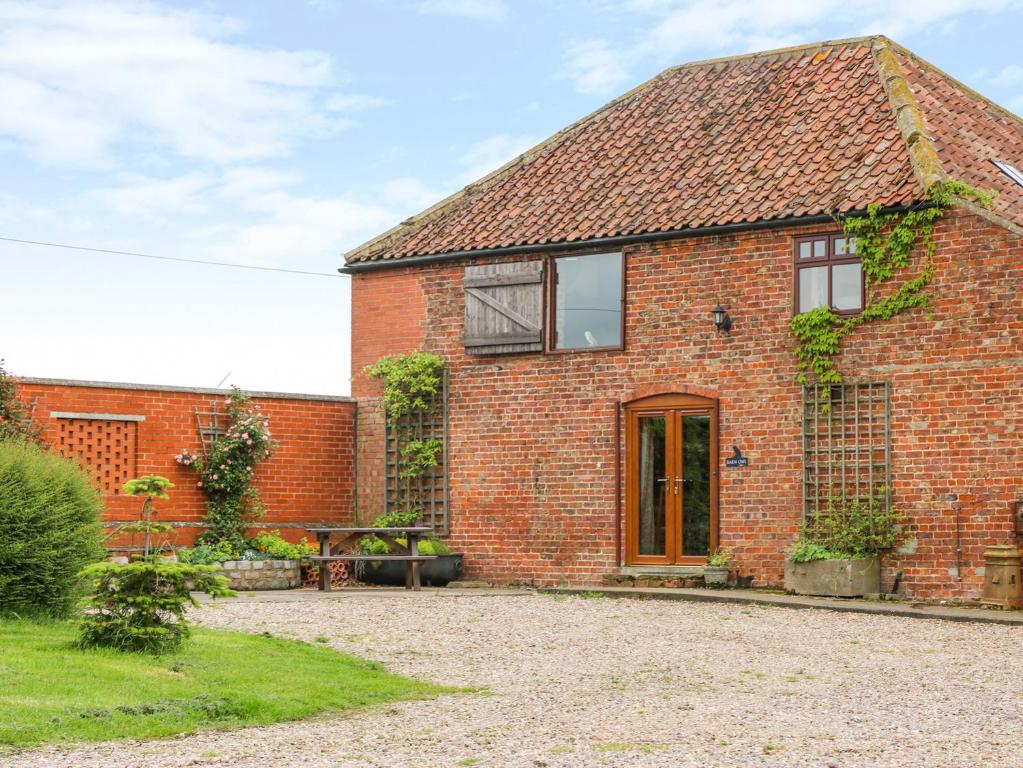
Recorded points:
(819, 129)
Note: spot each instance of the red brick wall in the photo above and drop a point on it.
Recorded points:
(388, 317)
(532, 436)
(308, 480)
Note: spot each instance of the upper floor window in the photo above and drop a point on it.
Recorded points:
(553, 304)
(586, 302)
(828, 274)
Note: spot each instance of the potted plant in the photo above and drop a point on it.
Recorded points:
(715, 574)
(439, 572)
(839, 552)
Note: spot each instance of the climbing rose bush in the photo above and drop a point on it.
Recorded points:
(226, 474)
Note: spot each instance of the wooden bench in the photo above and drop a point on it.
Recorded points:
(350, 538)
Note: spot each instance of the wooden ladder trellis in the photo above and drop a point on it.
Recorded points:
(211, 427)
(429, 492)
(846, 444)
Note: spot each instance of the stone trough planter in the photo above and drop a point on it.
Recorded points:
(257, 575)
(850, 577)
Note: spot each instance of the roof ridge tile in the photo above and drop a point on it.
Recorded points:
(923, 155)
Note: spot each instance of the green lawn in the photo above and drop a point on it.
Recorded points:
(51, 692)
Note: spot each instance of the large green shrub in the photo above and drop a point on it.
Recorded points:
(49, 530)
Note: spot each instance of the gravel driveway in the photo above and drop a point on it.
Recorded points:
(600, 682)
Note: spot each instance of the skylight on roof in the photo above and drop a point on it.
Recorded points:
(1011, 171)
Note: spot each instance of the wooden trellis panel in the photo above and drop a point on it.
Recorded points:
(430, 492)
(106, 447)
(211, 426)
(846, 444)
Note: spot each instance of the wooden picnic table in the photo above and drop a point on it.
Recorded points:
(331, 552)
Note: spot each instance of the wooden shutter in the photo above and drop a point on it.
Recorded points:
(504, 308)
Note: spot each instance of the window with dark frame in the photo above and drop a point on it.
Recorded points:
(586, 302)
(828, 273)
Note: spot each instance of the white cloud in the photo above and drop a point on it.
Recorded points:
(253, 215)
(149, 198)
(354, 102)
(595, 66)
(1008, 77)
(671, 30)
(81, 78)
(301, 229)
(490, 154)
(486, 10)
(411, 195)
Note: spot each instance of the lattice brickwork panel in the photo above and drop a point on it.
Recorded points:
(106, 447)
(846, 444)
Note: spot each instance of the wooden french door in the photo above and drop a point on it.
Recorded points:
(671, 476)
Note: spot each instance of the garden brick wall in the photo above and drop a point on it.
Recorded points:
(309, 480)
(532, 449)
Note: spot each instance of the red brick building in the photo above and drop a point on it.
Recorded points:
(594, 410)
(122, 431)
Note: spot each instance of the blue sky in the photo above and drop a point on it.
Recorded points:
(283, 133)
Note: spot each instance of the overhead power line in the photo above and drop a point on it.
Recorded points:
(168, 258)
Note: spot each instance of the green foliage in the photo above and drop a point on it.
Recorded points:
(140, 607)
(807, 551)
(850, 527)
(405, 519)
(410, 381)
(150, 486)
(885, 243)
(722, 558)
(419, 456)
(49, 530)
(225, 475)
(266, 545)
(274, 547)
(208, 554)
(820, 332)
(54, 693)
(15, 419)
(371, 545)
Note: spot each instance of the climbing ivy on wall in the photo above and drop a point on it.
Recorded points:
(410, 383)
(885, 243)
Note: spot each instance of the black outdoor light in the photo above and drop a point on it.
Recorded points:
(721, 319)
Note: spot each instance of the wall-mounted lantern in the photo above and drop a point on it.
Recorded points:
(721, 319)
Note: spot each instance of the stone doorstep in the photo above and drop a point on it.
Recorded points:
(652, 582)
(669, 577)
